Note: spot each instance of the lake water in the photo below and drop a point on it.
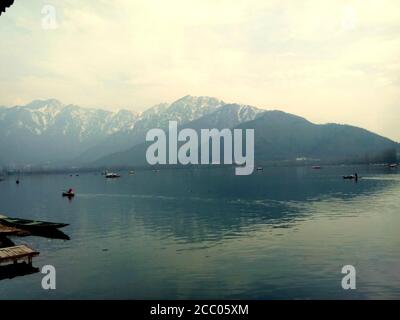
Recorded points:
(282, 233)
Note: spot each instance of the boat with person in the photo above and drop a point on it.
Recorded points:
(26, 224)
(351, 177)
(70, 193)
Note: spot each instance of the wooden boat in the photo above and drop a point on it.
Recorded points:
(68, 194)
(30, 224)
(317, 167)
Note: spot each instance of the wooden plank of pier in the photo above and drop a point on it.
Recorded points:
(16, 253)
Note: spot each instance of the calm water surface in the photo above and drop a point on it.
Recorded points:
(284, 233)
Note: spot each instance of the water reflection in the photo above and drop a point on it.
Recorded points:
(209, 205)
(280, 233)
(49, 234)
(17, 270)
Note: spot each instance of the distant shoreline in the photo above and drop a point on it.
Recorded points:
(100, 170)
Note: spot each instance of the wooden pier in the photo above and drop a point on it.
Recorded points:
(17, 253)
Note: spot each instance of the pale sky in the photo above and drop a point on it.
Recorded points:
(329, 61)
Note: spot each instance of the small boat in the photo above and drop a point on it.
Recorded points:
(70, 193)
(131, 172)
(393, 165)
(317, 167)
(260, 169)
(30, 224)
(112, 175)
(351, 177)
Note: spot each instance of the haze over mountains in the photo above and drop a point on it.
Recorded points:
(47, 132)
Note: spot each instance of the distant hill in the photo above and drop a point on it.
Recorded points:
(279, 136)
(283, 136)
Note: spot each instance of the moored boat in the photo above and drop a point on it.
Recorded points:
(112, 175)
(30, 224)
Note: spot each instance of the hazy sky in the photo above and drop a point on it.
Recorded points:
(329, 61)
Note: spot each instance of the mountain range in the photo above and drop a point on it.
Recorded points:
(48, 132)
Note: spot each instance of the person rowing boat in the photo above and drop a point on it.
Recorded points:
(69, 193)
(353, 177)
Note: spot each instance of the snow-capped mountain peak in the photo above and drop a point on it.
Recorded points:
(47, 125)
(48, 130)
(190, 107)
(39, 104)
(155, 110)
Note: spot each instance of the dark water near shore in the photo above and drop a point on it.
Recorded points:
(284, 233)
